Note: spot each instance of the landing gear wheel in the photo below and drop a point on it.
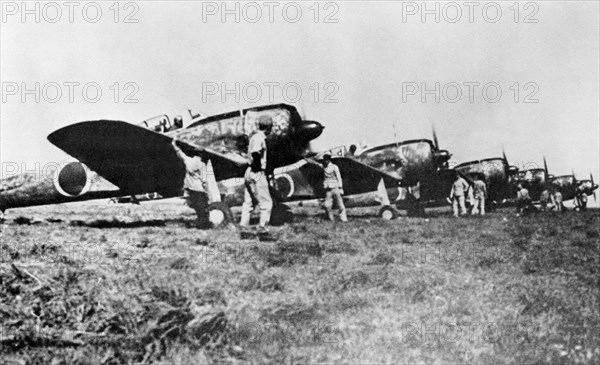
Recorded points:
(219, 214)
(388, 213)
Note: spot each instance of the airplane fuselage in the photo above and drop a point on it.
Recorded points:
(497, 174)
(225, 133)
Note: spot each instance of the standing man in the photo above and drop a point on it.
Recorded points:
(195, 185)
(255, 179)
(479, 195)
(581, 197)
(457, 194)
(332, 183)
(558, 199)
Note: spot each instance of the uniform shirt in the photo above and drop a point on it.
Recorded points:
(332, 178)
(258, 143)
(479, 189)
(459, 187)
(523, 194)
(195, 172)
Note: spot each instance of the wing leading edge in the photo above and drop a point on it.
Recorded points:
(133, 158)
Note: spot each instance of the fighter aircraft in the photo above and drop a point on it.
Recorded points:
(497, 174)
(569, 185)
(115, 158)
(535, 180)
(538, 179)
(408, 175)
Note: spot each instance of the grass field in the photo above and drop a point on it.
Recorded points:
(105, 284)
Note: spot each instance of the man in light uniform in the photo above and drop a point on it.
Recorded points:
(332, 183)
(558, 198)
(457, 195)
(255, 179)
(479, 196)
(195, 185)
(524, 203)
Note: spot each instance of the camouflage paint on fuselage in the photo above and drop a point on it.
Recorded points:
(497, 177)
(535, 180)
(410, 161)
(229, 133)
(567, 184)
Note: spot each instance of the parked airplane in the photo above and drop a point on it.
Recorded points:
(408, 175)
(497, 174)
(569, 185)
(116, 159)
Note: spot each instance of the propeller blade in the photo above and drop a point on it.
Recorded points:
(592, 179)
(435, 139)
(574, 178)
(546, 166)
(595, 198)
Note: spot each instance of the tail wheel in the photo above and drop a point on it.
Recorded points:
(388, 213)
(219, 214)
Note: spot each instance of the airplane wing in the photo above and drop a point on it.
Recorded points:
(436, 187)
(304, 179)
(360, 178)
(136, 159)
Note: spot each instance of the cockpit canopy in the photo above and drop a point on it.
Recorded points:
(160, 123)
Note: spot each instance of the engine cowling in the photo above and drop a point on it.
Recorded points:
(73, 179)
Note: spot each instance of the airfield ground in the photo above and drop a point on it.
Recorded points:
(117, 284)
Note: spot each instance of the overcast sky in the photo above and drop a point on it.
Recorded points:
(370, 60)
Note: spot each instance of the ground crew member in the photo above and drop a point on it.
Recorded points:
(558, 199)
(479, 196)
(195, 184)
(255, 179)
(581, 197)
(545, 199)
(457, 194)
(523, 200)
(332, 183)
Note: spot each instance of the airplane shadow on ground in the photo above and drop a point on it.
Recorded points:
(115, 223)
(104, 223)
